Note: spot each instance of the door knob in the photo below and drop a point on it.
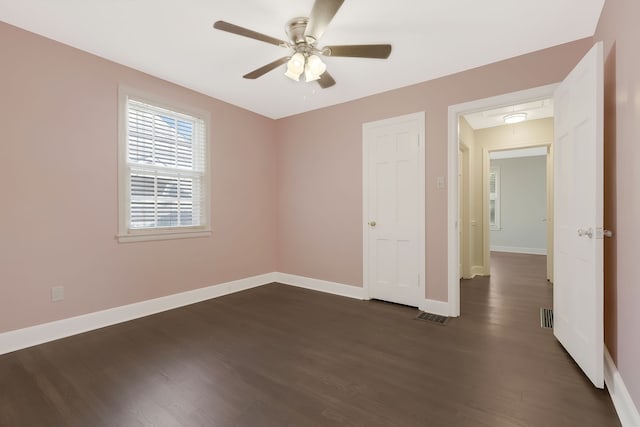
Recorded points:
(372, 223)
(588, 232)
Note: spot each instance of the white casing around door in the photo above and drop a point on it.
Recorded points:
(394, 209)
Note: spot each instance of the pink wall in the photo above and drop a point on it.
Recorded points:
(618, 28)
(58, 124)
(320, 165)
(286, 194)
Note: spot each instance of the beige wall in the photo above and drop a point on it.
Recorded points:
(618, 28)
(471, 253)
(320, 165)
(58, 215)
(469, 256)
(477, 143)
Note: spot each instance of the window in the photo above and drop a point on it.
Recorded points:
(494, 199)
(163, 171)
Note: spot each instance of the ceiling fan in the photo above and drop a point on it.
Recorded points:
(303, 34)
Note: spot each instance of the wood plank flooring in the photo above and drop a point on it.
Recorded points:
(282, 356)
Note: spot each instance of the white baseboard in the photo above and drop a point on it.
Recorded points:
(321, 285)
(38, 334)
(519, 250)
(34, 335)
(435, 307)
(626, 409)
(477, 270)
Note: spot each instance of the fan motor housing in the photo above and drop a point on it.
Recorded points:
(295, 29)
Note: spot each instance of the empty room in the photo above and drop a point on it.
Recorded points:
(284, 213)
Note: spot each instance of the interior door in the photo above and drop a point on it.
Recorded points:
(578, 210)
(394, 209)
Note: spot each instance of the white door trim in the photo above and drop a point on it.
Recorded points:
(421, 238)
(455, 111)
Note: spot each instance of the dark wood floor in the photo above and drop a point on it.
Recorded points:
(282, 356)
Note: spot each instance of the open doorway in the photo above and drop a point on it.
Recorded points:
(506, 195)
(506, 186)
(578, 200)
(476, 130)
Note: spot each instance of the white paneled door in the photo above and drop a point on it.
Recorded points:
(394, 209)
(578, 210)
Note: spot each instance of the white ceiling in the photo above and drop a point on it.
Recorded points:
(174, 40)
(490, 118)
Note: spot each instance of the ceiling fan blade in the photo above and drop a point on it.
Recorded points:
(326, 80)
(321, 15)
(381, 51)
(234, 29)
(266, 68)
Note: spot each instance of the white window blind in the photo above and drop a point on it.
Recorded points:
(165, 161)
(494, 199)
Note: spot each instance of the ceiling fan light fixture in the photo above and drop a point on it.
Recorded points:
(303, 34)
(295, 66)
(515, 118)
(314, 68)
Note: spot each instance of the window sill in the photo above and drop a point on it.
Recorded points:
(149, 235)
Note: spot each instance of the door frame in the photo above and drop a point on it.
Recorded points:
(455, 111)
(421, 237)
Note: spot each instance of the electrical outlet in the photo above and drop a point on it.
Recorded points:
(440, 183)
(57, 293)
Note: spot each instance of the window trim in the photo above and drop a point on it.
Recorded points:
(496, 224)
(126, 234)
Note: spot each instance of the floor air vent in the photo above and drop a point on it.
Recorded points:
(435, 318)
(546, 318)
